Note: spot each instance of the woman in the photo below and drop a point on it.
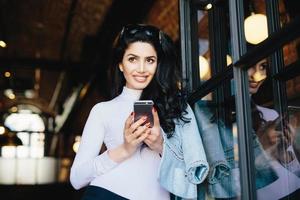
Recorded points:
(277, 142)
(273, 178)
(144, 67)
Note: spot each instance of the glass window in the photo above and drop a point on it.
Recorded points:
(274, 101)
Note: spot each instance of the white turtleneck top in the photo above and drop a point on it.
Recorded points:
(135, 178)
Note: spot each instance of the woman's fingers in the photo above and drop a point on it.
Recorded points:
(155, 117)
(138, 133)
(142, 136)
(128, 122)
(140, 130)
(137, 124)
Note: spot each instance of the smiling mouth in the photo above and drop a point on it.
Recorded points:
(253, 84)
(140, 79)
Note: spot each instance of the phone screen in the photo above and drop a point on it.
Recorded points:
(143, 108)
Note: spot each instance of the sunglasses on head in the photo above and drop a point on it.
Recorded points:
(149, 30)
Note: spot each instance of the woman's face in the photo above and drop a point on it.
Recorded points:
(138, 65)
(256, 75)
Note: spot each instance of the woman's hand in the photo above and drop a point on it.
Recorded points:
(135, 133)
(268, 135)
(276, 141)
(155, 138)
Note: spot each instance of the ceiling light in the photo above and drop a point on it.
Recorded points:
(256, 28)
(12, 96)
(2, 130)
(2, 44)
(76, 143)
(228, 60)
(14, 109)
(30, 94)
(9, 93)
(7, 74)
(204, 68)
(208, 6)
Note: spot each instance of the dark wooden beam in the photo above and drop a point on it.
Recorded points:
(39, 63)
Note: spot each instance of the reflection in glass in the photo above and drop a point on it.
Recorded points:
(275, 135)
(276, 143)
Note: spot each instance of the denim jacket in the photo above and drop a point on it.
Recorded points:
(183, 163)
(223, 179)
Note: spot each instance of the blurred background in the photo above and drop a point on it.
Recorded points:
(53, 69)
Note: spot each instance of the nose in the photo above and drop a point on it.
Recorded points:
(258, 76)
(141, 67)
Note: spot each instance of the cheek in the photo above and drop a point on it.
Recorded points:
(152, 69)
(250, 72)
(128, 68)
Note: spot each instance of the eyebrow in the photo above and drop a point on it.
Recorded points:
(138, 56)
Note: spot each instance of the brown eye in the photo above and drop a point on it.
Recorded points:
(263, 66)
(131, 59)
(150, 60)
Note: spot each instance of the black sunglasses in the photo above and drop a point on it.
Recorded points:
(149, 30)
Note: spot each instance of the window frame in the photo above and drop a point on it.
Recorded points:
(242, 60)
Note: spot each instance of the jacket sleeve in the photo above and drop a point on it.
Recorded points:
(212, 144)
(88, 163)
(193, 151)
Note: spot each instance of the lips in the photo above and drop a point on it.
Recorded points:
(253, 84)
(140, 79)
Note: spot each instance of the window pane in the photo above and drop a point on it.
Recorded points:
(275, 158)
(217, 126)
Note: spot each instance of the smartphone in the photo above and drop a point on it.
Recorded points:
(143, 108)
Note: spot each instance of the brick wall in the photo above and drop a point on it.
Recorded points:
(164, 15)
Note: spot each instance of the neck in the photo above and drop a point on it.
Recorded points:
(132, 94)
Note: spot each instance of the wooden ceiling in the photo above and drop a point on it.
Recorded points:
(49, 29)
(53, 46)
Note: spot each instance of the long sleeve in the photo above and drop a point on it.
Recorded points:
(219, 167)
(88, 163)
(194, 155)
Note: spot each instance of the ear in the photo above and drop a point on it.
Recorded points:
(121, 67)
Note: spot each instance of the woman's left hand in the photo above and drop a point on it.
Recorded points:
(155, 138)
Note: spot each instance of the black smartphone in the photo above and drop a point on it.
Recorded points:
(143, 108)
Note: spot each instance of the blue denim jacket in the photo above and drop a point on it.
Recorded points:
(218, 142)
(183, 163)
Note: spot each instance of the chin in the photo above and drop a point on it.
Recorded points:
(141, 85)
(252, 91)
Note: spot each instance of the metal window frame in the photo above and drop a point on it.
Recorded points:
(276, 59)
(243, 110)
(218, 50)
(189, 49)
(242, 60)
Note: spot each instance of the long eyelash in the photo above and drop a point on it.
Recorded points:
(131, 58)
(151, 59)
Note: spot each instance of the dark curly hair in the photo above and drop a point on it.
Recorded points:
(164, 88)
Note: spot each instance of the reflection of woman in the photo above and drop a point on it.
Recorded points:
(271, 178)
(265, 123)
(144, 66)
